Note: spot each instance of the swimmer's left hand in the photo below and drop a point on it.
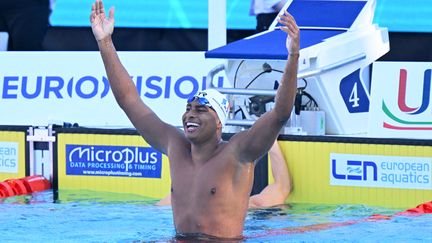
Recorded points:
(290, 27)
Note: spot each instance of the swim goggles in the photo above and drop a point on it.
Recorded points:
(200, 100)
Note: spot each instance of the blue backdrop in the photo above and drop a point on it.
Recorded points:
(397, 15)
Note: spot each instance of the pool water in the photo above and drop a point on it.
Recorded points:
(105, 218)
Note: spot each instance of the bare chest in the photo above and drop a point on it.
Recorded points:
(211, 179)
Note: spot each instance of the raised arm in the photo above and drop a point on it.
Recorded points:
(142, 117)
(277, 192)
(256, 141)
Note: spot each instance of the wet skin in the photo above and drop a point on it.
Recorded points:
(210, 191)
(211, 179)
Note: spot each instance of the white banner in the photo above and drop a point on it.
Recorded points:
(381, 171)
(40, 88)
(401, 100)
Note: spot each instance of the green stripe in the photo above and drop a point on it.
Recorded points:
(393, 117)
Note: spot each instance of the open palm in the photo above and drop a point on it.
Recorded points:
(290, 27)
(102, 27)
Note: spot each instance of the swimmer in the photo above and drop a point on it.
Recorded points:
(211, 178)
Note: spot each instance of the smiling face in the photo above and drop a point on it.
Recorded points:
(200, 122)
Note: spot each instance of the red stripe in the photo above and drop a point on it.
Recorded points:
(420, 209)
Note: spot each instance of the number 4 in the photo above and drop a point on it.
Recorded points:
(354, 96)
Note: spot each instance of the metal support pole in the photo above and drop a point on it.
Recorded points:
(216, 23)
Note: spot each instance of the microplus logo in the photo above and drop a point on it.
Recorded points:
(402, 97)
(91, 160)
(380, 171)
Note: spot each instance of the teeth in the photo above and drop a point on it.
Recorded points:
(192, 124)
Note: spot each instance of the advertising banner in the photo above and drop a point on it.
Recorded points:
(41, 88)
(9, 157)
(111, 162)
(91, 160)
(13, 149)
(401, 100)
(381, 171)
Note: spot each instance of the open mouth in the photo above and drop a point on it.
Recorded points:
(191, 126)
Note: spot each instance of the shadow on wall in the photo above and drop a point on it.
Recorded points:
(405, 46)
(135, 39)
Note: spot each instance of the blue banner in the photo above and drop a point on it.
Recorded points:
(128, 161)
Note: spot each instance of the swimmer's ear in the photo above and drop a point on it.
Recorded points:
(219, 125)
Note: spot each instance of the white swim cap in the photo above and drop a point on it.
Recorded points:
(214, 99)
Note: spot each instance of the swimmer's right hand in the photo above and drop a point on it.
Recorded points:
(102, 27)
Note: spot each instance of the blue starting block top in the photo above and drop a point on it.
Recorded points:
(317, 20)
(269, 46)
(325, 14)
